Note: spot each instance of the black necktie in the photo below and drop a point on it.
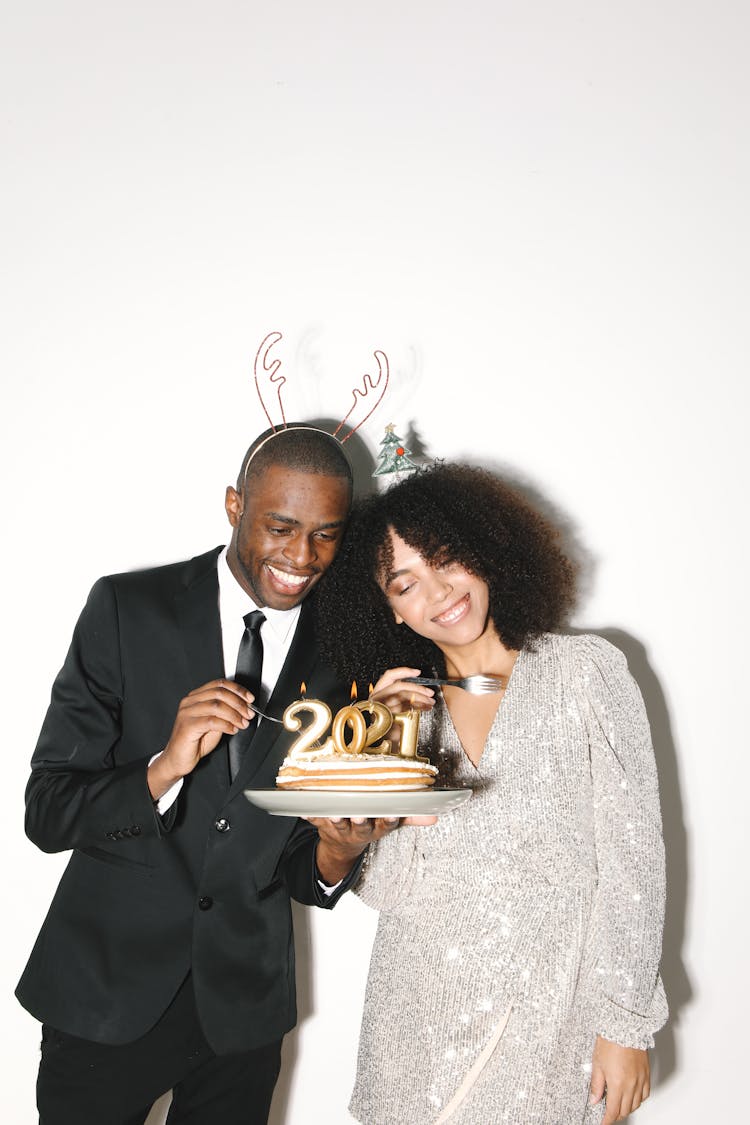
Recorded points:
(249, 667)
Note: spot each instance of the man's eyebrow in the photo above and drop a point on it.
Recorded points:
(296, 523)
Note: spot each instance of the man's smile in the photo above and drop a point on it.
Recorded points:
(292, 582)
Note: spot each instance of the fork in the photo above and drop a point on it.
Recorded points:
(263, 715)
(475, 685)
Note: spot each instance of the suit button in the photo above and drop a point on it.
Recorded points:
(205, 902)
(222, 824)
(135, 830)
(111, 836)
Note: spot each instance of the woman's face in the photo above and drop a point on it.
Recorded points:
(446, 604)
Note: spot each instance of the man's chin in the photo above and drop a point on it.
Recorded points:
(277, 601)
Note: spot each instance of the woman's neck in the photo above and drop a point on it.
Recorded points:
(486, 654)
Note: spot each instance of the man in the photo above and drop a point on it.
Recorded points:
(166, 959)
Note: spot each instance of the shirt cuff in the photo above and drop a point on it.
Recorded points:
(328, 890)
(165, 802)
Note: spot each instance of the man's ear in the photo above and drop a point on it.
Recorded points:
(233, 505)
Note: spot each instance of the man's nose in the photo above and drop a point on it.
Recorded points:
(300, 550)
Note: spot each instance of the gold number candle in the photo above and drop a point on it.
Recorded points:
(382, 721)
(351, 717)
(306, 743)
(409, 723)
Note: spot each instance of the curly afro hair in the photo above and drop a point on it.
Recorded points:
(450, 514)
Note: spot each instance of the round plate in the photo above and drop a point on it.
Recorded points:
(326, 802)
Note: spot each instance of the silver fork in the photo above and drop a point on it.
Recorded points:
(263, 715)
(475, 685)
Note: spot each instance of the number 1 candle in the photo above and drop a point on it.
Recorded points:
(409, 723)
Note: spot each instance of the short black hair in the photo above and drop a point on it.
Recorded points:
(449, 514)
(300, 447)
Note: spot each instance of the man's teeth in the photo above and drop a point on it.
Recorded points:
(298, 580)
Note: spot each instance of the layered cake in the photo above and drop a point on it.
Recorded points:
(355, 772)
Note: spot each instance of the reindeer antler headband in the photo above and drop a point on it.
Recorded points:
(268, 380)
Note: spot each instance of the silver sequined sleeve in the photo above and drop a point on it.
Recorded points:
(389, 871)
(628, 909)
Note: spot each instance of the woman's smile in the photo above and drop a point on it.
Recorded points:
(455, 612)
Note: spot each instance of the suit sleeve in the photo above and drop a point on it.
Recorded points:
(625, 937)
(79, 795)
(298, 871)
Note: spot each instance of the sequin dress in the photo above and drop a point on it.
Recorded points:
(527, 921)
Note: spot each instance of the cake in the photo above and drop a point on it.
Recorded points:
(356, 756)
(363, 772)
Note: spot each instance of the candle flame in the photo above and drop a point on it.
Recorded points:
(355, 693)
(303, 688)
(370, 689)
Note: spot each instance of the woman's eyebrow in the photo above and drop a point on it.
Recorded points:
(396, 574)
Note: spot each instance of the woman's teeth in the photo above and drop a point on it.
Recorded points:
(454, 613)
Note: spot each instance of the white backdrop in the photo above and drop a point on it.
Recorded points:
(539, 211)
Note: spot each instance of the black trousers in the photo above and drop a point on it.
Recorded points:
(85, 1083)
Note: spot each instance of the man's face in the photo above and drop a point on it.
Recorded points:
(287, 529)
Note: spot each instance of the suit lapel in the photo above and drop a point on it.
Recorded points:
(197, 610)
(197, 613)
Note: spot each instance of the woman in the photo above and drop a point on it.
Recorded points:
(514, 972)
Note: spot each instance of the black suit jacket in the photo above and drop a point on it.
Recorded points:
(145, 899)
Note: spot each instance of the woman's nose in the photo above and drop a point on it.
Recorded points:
(439, 588)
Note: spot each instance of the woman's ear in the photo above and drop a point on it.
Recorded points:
(397, 619)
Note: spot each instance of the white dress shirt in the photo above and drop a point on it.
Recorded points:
(276, 633)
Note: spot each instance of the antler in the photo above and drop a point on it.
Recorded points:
(268, 377)
(380, 384)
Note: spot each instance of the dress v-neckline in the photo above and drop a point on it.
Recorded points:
(502, 707)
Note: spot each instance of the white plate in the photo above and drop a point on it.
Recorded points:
(326, 802)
